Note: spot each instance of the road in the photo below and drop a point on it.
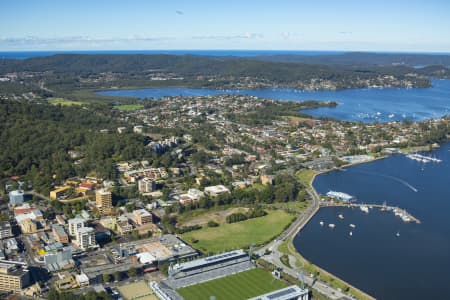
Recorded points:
(293, 229)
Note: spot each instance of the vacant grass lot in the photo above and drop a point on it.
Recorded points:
(238, 286)
(241, 234)
(129, 107)
(64, 102)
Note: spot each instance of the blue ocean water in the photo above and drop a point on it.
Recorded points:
(237, 53)
(360, 105)
(413, 265)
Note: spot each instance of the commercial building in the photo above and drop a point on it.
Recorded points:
(60, 234)
(16, 197)
(123, 226)
(146, 185)
(292, 292)
(5, 230)
(191, 196)
(57, 193)
(103, 201)
(59, 259)
(29, 219)
(85, 238)
(14, 276)
(216, 190)
(74, 225)
(142, 216)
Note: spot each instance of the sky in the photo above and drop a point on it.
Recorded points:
(350, 25)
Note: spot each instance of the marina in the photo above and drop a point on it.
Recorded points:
(423, 158)
(398, 212)
(396, 245)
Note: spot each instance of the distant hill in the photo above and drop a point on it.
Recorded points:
(364, 59)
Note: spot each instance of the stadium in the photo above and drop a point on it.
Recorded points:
(218, 274)
(207, 268)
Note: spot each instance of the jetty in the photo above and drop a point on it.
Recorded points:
(399, 212)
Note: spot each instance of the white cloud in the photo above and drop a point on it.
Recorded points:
(69, 41)
(247, 35)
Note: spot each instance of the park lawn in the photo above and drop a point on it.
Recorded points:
(305, 176)
(64, 102)
(129, 107)
(238, 286)
(296, 118)
(238, 235)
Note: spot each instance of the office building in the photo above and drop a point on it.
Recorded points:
(5, 230)
(16, 197)
(85, 238)
(103, 201)
(74, 225)
(60, 234)
(142, 216)
(14, 276)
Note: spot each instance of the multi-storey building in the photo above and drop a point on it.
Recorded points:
(14, 276)
(142, 216)
(86, 238)
(103, 201)
(5, 230)
(74, 225)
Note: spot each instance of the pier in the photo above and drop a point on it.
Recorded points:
(403, 214)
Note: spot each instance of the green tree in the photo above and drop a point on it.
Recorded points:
(132, 272)
(106, 277)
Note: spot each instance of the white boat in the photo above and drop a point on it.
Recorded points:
(397, 234)
(321, 223)
(352, 225)
(331, 225)
(351, 233)
(341, 216)
(364, 209)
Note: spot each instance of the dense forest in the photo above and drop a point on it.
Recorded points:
(36, 140)
(365, 59)
(66, 67)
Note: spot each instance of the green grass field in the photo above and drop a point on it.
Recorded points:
(129, 107)
(305, 176)
(237, 286)
(63, 102)
(241, 234)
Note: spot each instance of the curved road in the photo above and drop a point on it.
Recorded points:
(293, 229)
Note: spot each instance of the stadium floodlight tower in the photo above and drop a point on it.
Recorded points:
(301, 278)
(250, 251)
(170, 270)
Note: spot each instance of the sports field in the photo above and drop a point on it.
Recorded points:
(138, 290)
(239, 235)
(63, 102)
(129, 107)
(243, 285)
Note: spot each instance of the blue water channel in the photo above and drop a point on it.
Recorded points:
(361, 105)
(413, 265)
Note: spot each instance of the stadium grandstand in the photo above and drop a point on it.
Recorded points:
(208, 268)
(292, 292)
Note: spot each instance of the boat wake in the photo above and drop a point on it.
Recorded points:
(391, 177)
